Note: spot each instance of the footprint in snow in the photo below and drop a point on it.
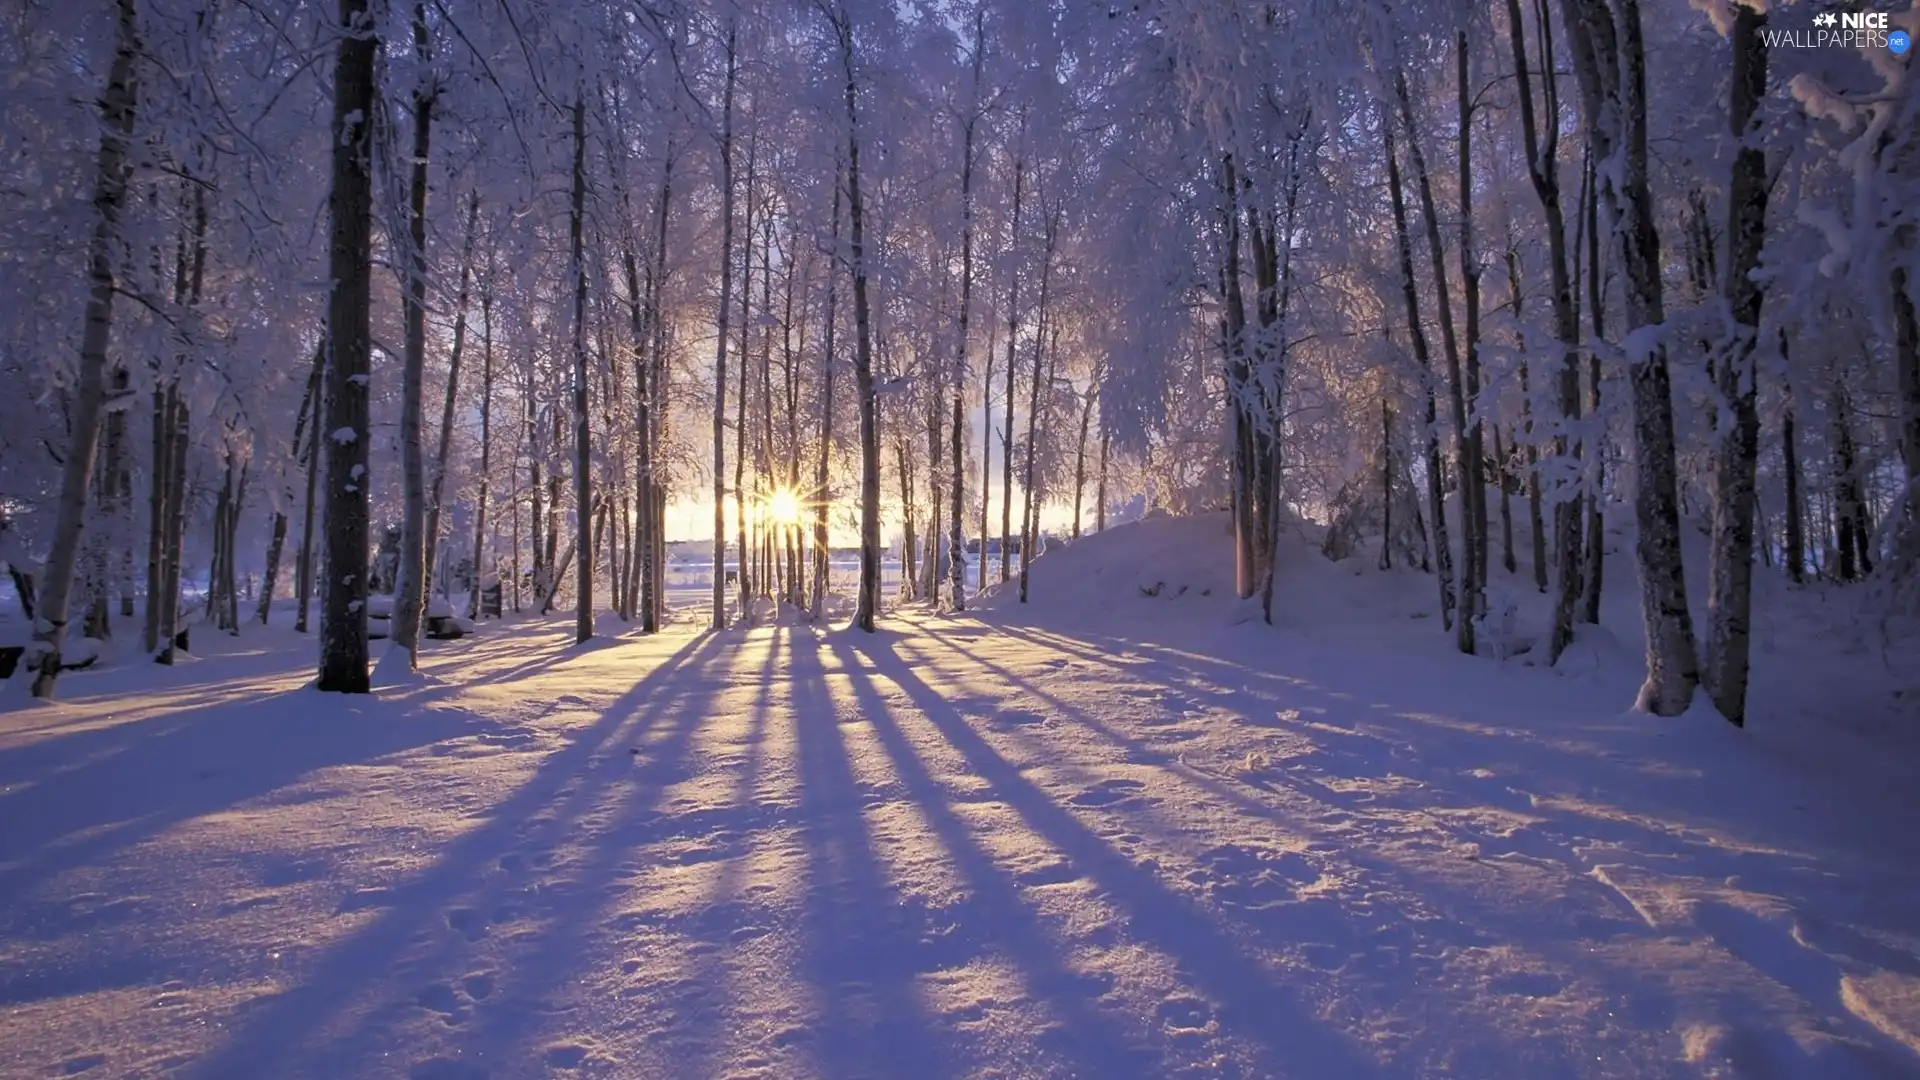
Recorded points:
(1184, 1015)
(1050, 874)
(1014, 719)
(567, 1056)
(441, 998)
(468, 922)
(74, 1066)
(1110, 792)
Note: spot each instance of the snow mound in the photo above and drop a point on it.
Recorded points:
(1163, 567)
(1183, 562)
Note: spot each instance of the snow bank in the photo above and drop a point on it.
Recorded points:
(1165, 567)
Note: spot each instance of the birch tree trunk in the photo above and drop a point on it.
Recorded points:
(582, 435)
(486, 443)
(956, 526)
(1609, 60)
(1725, 657)
(1470, 594)
(654, 599)
(1596, 552)
(1473, 436)
(1796, 543)
(117, 105)
(744, 552)
(1410, 293)
(1541, 147)
(410, 584)
(1013, 333)
(1034, 388)
(1100, 488)
(720, 346)
(822, 549)
(343, 615)
(867, 607)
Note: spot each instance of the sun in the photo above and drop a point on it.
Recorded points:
(783, 507)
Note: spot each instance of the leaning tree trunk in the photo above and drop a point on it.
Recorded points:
(410, 584)
(343, 614)
(1725, 657)
(1609, 59)
(303, 570)
(438, 485)
(309, 416)
(1410, 293)
(109, 194)
(1470, 596)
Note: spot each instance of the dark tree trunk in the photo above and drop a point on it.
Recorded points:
(343, 615)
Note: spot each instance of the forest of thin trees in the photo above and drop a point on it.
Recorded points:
(422, 299)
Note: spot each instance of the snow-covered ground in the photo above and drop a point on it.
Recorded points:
(1105, 835)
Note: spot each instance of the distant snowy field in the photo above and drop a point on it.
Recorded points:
(1106, 834)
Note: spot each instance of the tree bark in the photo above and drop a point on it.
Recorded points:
(1470, 597)
(486, 444)
(1796, 543)
(1725, 657)
(343, 615)
(438, 486)
(1028, 526)
(822, 548)
(1473, 436)
(309, 414)
(867, 608)
(1609, 59)
(109, 195)
(956, 535)
(1410, 294)
(720, 346)
(744, 550)
(410, 584)
(1013, 332)
(582, 436)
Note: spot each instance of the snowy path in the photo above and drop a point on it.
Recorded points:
(954, 849)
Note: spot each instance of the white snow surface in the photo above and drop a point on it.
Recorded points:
(1101, 835)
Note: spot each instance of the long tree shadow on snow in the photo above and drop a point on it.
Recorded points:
(277, 1034)
(1268, 1015)
(1381, 761)
(103, 790)
(633, 834)
(861, 951)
